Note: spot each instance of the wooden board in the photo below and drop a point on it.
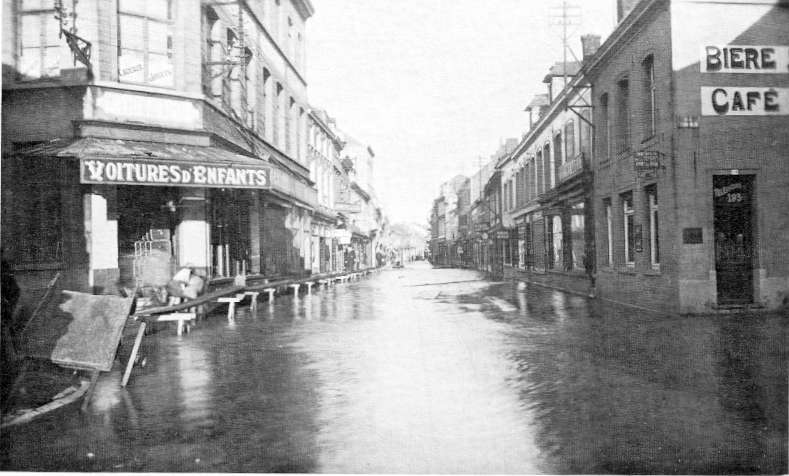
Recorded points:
(77, 330)
(204, 299)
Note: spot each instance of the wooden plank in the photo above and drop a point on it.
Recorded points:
(77, 330)
(133, 356)
(204, 299)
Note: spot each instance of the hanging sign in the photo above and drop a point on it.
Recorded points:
(163, 172)
(744, 59)
(744, 101)
(646, 160)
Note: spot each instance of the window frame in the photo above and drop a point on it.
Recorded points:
(609, 218)
(43, 14)
(650, 114)
(654, 239)
(623, 125)
(628, 221)
(146, 51)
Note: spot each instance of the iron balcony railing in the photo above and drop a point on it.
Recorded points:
(572, 167)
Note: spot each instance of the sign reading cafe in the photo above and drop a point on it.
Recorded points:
(162, 172)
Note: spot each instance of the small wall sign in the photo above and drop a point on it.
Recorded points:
(692, 236)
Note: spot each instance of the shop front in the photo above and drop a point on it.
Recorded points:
(130, 213)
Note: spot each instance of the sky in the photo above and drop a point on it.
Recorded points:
(432, 86)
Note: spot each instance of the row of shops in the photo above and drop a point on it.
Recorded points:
(646, 177)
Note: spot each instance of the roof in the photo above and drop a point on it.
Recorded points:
(539, 100)
(101, 147)
(570, 68)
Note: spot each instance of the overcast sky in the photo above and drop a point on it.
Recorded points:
(432, 85)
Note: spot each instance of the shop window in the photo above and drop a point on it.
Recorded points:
(623, 116)
(553, 242)
(648, 108)
(628, 222)
(604, 128)
(34, 210)
(145, 42)
(577, 237)
(654, 241)
(39, 53)
(609, 233)
(569, 141)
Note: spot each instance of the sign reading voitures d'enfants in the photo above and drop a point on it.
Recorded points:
(162, 172)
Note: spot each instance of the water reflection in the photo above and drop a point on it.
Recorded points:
(423, 371)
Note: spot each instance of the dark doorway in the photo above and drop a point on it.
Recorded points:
(733, 200)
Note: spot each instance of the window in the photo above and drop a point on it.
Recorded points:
(605, 129)
(547, 172)
(39, 54)
(554, 248)
(278, 115)
(629, 229)
(265, 101)
(623, 116)
(609, 232)
(145, 42)
(654, 242)
(212, 53)
(577, 243)
(649, 97)
(569, 141)
(36, 211)
(538, 179)
(558, 159)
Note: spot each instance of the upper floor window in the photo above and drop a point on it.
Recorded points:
(649, 97)
(623, 115)
(145, 42)
(569, 141)
(604, 128)
(39, 54)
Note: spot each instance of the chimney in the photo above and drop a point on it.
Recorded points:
(589, 45)
(623, 8)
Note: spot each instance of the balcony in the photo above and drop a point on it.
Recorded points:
(571, 168)
(345, 207)
(289, 185)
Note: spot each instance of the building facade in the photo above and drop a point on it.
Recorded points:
(547, 185)
(138, 137)
(690, 171)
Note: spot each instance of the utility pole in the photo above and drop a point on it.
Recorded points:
(567, 14)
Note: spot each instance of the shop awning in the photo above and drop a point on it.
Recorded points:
(123, 162)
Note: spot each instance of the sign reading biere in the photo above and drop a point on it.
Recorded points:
(180, 174)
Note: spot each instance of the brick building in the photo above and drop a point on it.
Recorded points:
(690, 170)
(139, 136)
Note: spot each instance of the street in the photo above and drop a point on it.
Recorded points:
(422, 370)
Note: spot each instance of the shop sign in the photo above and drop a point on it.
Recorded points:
(744, 59)
(503, 235)
(744, 101)
(163, 172)
(645, 160)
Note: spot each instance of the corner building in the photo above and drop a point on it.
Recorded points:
(139, 136)
(690, 171)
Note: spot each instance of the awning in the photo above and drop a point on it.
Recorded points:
(123, 162)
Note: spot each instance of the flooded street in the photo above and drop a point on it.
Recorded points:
(422, 370)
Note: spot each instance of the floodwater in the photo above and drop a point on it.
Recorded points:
(419, 370)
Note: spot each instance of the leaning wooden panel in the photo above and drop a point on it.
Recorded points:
(78, 330)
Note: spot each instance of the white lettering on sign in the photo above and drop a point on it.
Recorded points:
(744, 101)
(108, 171)
(744, 59)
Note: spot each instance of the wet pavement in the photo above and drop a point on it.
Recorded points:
(419, 370)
